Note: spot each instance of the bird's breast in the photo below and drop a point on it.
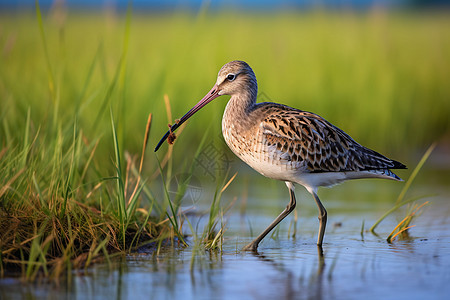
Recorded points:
(251, 146)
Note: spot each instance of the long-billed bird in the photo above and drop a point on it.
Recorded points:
(287, 144)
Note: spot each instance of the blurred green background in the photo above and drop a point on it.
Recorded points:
(380, 75)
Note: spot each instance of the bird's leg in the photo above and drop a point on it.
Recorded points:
(321, 260)
(322, 219)
(289, 208)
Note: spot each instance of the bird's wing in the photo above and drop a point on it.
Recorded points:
(322, 147)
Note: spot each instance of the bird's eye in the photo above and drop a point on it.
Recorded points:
(231, 76)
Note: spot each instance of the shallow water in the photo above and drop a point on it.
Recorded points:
(351, 264)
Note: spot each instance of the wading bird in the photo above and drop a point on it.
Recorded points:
(287, 144)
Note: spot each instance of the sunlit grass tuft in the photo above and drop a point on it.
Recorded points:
(403, 226)
(54, 214)
(213, 234)
(66, 202)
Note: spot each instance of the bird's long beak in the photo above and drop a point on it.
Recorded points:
(212, 94)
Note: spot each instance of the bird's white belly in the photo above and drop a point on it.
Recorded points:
(298, 173)
(294, 172)
(269, 167)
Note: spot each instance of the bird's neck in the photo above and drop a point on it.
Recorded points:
(238, 110)
(242, 104)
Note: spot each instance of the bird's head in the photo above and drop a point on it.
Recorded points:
(236, 77)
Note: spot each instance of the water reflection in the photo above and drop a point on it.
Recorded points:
(348, 266)
(285, 269)
(293, 286)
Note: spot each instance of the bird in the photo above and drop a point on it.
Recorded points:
(286, 144)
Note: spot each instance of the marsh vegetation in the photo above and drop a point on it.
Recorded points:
(77, 182)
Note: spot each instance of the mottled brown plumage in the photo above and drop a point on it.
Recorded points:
(306, 137)
(287, 144)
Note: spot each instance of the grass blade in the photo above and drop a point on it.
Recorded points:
(415, 172)
(399, 202)
(123, 218)
(173, 219)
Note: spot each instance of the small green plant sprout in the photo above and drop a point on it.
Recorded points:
(404, 225)
(402, 228)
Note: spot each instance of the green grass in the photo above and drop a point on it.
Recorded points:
(76, 90)
(412, 211)
(387, 71)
